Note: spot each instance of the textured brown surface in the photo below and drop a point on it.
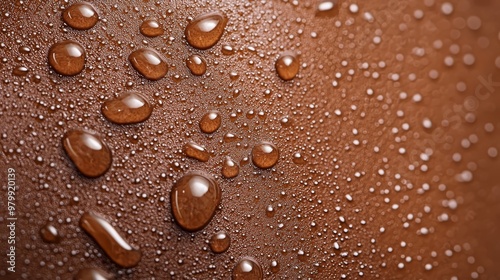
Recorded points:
(343, 199)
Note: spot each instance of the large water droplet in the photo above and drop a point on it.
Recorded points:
(196, 151)
(151, 28)
(247, 269)
(93, 274)
(87, 152)
(265, 155)
(50, 234)
(327, 8)
(287, 66)
(111, 242)
(67, 58)
(230, 168)
(205, 30)
(80, 16)
(210, 122)
(220, 242)
(149, 63)
(127, 109)
(194, 198)
(197, 65)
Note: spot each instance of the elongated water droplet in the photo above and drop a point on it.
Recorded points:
(93, 274)
(87, 152)
(230, 168)
(67, 58)
(20, 71)
(220, 242)
(247, 269)
(127, 109)
(265, 155)
(197, 65)
(196, 151)
(227, 49)
(149, 63)
(50, 234)
(205, 30)
(327, 8)
(81, 16)
(151, 28)
(194, 198)
(110, 241)
(210, 122)
(287, 66)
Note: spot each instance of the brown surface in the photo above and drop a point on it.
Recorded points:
(337, 197)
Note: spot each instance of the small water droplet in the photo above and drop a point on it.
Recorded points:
(20, 71)
(227, 49)
(210, 122)
(196, 151)
(265, 155)
(197, 65)
(127, 109)
(247, 269)
(194, 199)
(287, 66)
(81, 16)
(87, 152)
(67, 58)
(151, 28)
(149, 63)
(298, 158)
(220, 242)
(205, 30)
(230, 168)
(50, 234)
(327, 8)
(111, 242)
(93, 274)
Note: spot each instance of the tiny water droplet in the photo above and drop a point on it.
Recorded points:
(220, 242)
(196, 151)
(87, 152)
(151, 28)
(327, 8)
(127, 109)
(50, 234)
(81, 16)
(265, 155)
(247, 269)
(210, 122)
(230, 168)
(205, 30)
(93, 274)
(287, 66)
(196, 64)
(149, 63)
(67, 58)
(111, 242)
(194, 199)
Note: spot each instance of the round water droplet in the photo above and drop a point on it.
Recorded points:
(111, 242)
(127, 109)
(210, 122)
(149, 63)
(194, 198)
(81, 16)
(220, 242)
(67, 58)
(50, 234)
(265, 155)
(196, 64)
(327, 8)
(230, 168)
(227, 50)
(247, 269)
(196, 151)
(205, 30)
(87, 152)
(151, 28)
(20, 71)
(287, 66)
(93, 274)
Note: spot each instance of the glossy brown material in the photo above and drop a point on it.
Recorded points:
(151, 28)
(210, 122)
(265, 155)
(81, 16)
(67, 58)
(110, 241)
(149, 63)
(196, 151)
(88, 152)
(205, 30)
(129, 108)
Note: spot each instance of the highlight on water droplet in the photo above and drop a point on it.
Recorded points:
(149, 63)
(81, 16)
(287, 66)
(265, 155)
(210, 122)
(247, 269)
(327, 8)
(67, 58)
(129, 108)
(205, 30)
(93, 274)
(196, 64)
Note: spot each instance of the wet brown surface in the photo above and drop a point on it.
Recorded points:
(388, 139)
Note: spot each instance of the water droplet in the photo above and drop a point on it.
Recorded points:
(287, 66)
(194, 198)
(220, 242)
(247, 269)
(117, 249)
(227, 50)
(67, 58)
(196, 151)
(230, 168)
(151, 28)
(93, 274)
(327, 8)
(80, 16)
(149, 63)
(20, 71)
(127, 109)
(50, 234)
(265, 155)
(87, 152)
(205, 30)
(210, 122)
(298, 158)
(197, 65)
